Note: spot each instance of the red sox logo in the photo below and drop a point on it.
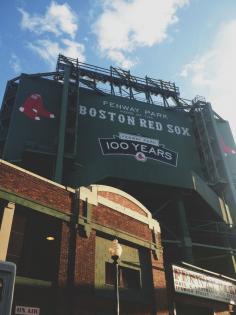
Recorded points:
(226, 149)
(34, 109)
(140, 156)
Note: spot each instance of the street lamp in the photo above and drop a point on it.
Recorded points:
(115, 252)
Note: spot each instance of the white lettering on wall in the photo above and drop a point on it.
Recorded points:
(133, 120)
(27, 310)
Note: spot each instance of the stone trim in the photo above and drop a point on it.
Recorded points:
(123, 194)
(90, 194)
(5, 231)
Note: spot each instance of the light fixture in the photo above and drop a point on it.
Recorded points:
(115, 250)
(50, 238)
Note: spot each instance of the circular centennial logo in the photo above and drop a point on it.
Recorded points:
(140, 156)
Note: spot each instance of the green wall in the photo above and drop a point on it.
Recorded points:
(112, 131)
(228, 146)
(116, 137)
(26, 132)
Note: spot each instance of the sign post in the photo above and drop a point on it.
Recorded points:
(7, 282)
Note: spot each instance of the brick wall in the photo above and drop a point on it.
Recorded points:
(32, 187)
(63, 266)
(125, 202)
(43, 192)
(116, 220)
(159, 284)
(85, 261)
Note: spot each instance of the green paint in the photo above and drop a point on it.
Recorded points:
(77, 117)
(201, 187)
(184, 231)
(33, 205)
(88, 211)
(103, 117)
(29, 132)
(155, 240)
(24, 281)
(85, 220)
(119, 234)
(132, 257)
(226, 142)
(62, 126)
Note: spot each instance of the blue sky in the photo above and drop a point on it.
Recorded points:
(190, 42)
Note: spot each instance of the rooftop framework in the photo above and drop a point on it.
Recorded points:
(119, 82)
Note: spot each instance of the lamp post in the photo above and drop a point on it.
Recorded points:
(115, 252)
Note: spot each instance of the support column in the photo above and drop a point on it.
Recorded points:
(62, 126)
(229, 190)
(5, 230)
(184, 232)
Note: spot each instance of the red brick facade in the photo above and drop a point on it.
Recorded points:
(107, 217)
(104, 213)
(122, 201)
(34, 188)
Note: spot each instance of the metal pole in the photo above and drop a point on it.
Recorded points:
(184, 231)
(72, 251)
(62, 126)
(116, 287)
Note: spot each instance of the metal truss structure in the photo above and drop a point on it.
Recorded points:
(119, 82)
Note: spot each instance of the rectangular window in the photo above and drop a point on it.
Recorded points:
(128, 278)
(35, 244)
(109, 273)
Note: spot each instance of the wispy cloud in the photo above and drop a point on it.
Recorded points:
(212, 74)
(61, 23)
(58, 19)
(15, 63)
(48, 49)
(126, 25)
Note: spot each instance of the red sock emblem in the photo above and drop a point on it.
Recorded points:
(226, 149)
(34, 109)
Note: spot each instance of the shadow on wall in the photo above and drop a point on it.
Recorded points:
(85, 300)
